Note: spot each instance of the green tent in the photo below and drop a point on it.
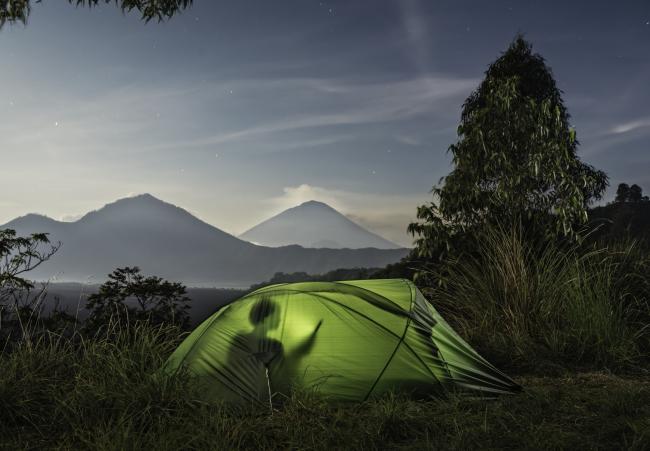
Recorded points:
(348, 340)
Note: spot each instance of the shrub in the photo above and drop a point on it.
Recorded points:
(132, 298)
(525, 301)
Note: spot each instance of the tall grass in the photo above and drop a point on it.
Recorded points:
(83, 387)
(528, 303)
(102, 393)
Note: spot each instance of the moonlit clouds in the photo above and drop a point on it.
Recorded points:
(627, 127)
(71, 218)
(331, 103)
(129, 119)
(416, 29)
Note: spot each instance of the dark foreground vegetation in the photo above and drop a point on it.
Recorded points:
(104, 394)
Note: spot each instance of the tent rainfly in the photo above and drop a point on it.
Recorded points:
(348, 340)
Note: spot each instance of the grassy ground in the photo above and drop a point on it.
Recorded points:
(101, 395)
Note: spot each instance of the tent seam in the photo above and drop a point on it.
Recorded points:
(376, 294)
(349, 286)
(442, 357)
(416, 354)
(390, 359)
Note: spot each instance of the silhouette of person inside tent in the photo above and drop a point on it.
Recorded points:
(254, 355)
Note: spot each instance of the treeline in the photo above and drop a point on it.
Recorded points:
(626, 218)
(331, 276)
(404, 269)
(627, 193)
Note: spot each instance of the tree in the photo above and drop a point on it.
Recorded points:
(636, 193)
(626, 193)
(19, 10)
(515, 159)
(622, 193)
(18, 256)
(129, 296)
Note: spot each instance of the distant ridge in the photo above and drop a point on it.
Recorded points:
(314, 224)
(168, 241)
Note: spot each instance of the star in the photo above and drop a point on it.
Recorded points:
(56, 124)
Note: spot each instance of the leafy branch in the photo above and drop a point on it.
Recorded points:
(19, 10)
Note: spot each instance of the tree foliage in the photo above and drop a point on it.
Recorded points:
(19, 10)
(636, 193)
(130, 297)
(19, 306)
(622, 193)
(627, 193)
(515, 159)
(19, 255)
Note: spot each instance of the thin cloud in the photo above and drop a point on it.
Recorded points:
(611, 139)
(359, 104)
(630, 126)
(296, 195)
(71, 218)
(417, 33)
(409, 140)
(138, 118)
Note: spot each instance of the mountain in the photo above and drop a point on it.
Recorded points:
(314, 225)
(167, 241)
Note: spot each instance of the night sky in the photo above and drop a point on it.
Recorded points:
(238, 110)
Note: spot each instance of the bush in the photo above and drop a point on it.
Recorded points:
(525, 302)
(21, 302)
(132, 298)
